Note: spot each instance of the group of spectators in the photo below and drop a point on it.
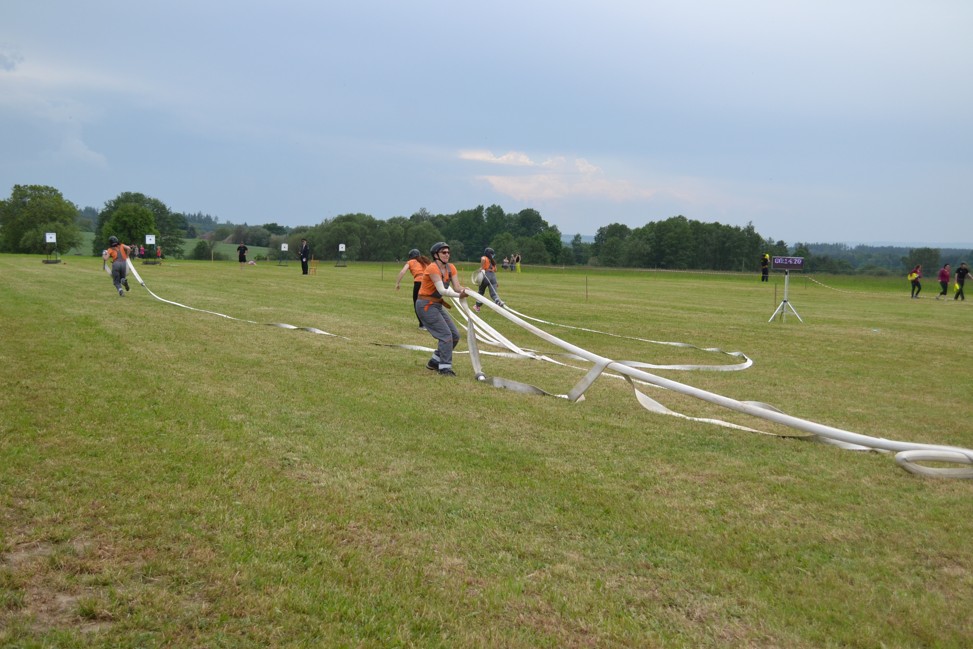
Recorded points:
(512, 262)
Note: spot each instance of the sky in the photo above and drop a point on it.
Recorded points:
(818, 121)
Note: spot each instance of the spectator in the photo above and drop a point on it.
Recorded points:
(305, 254)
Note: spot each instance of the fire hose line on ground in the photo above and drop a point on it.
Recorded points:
(908, 455)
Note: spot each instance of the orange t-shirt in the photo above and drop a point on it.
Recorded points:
(487, 264)
(417, 269)
(428, 288)
(114, 251)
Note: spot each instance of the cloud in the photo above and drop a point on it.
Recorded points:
(557, 178)
(9, 59)
(512, 158)
(74, 149)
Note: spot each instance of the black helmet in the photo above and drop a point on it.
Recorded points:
(489, 252)
(414, 253)
(113, 240)
(436, 247)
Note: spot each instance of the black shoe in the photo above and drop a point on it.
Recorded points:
(446, 372)
(432, 365)
(121, 293)
(125, 284)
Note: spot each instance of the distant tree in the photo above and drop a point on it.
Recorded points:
(496, 222)
(616, 233)
(529, 223)
(170, 238)
(203, 250)
(421, 236)
(421, 216)
(222, 232)
(130, 222)
(580, 250)
(928, 257)
(258, 236)
(611, 252)
(240, 233)
(30, 212)
(273, 228)
(636, 250)
(504, 245)
(457, 250)
(468, 227)
(673, 243)
(86, 219)
(533, 251)
(202, 222)
(173, 228)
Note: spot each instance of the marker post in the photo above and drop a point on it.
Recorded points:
(50, 238)
(786, 264)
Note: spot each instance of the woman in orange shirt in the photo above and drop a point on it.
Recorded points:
(118, 253)
(488, 266)
(416, 264)
(439, 280)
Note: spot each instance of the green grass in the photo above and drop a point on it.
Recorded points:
(173, 478)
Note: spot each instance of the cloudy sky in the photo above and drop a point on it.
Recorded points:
(816, 120)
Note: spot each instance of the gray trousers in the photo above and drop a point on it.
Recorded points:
(119, 270)
(490, 281)
(437, 322)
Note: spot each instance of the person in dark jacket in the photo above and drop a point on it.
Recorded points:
(305, 254)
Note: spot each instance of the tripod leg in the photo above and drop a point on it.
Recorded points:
(794, 311)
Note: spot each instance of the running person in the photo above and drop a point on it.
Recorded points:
(437, 278)
(961, 274)
(416, 265)
(914, 278)
(944, 276)
(488, 265)
(118, 253)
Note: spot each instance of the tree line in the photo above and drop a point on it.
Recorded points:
(676, 243)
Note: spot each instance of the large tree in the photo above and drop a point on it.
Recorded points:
(130, 223)
(31, 212)
(169, 228)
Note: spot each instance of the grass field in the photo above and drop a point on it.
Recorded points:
(171, 478)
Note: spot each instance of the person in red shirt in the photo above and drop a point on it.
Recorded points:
(439, 280)
(914, 278)
(118, 253)
(416, 265)
(944, 276)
